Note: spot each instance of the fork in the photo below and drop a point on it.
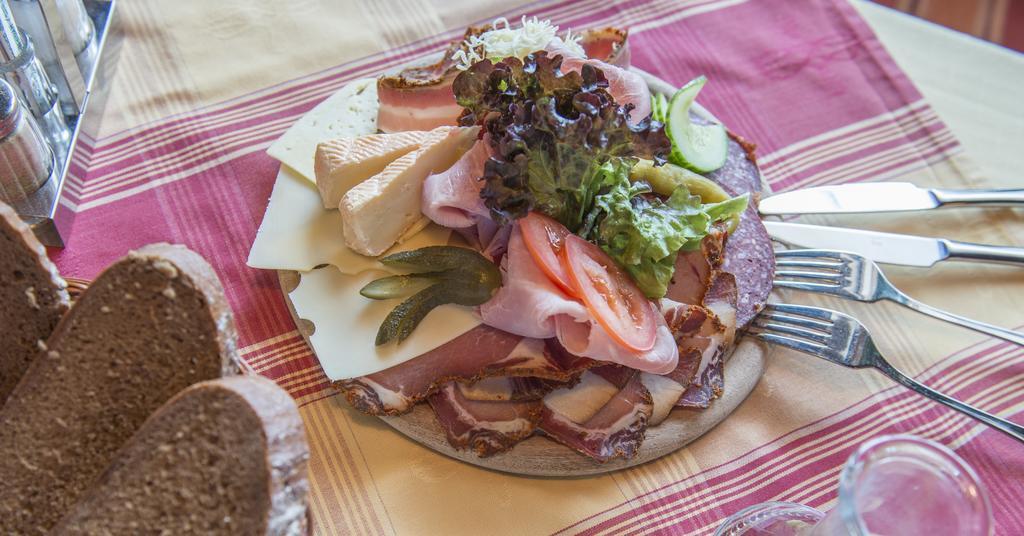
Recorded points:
(842, 339)
(851, 276)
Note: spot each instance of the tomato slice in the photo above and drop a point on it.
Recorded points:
(544, 238)
(610, 294)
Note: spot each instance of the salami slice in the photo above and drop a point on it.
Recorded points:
(749, 254)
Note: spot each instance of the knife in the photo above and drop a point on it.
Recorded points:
(883, 197)
(891, 248)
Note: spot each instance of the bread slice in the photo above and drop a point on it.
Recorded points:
(33, 295)
(224, 456)
(150, 325)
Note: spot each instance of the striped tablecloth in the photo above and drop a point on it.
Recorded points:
(204, 87)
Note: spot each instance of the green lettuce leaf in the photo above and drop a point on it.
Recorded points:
(644, 232)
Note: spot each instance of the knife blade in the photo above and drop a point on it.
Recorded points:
(891, 248)
(882, 197)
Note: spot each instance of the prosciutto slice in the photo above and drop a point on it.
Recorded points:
(479, 353)
(510, 388)
(712, 340)
(452, 198)
(485, 427)
(626, 87)
(694, 268)
(555, 314)
(616, 430)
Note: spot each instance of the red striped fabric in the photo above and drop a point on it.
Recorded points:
(808, 82)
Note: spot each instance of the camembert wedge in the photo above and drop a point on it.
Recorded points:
(345, 162)
(376, 212)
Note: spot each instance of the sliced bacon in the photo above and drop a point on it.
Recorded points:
(616, 430)
(421, 98)
(479, 353)
(485, 427)
(510, 388)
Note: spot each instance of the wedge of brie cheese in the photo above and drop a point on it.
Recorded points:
(298, 234)
(345, 162)
(378, 211)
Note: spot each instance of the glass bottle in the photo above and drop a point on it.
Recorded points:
(897, 484)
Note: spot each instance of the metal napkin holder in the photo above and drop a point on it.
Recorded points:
(81, 80)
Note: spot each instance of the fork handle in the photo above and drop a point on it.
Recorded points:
(985, 198)
(966, 251)
(1011, 429)
(1007, 335)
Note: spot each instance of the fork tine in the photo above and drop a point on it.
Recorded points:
(805, 335)
(823, 253)
(804, 274)
(824, 288)
(801, 310)
(799, 263)
(804, 322)
(795, 344)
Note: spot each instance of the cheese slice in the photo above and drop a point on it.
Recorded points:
(345, 162)
(297, 233)
(350, 112)
(377, 211)
(346, 324)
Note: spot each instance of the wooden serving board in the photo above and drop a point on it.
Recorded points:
(540, 456)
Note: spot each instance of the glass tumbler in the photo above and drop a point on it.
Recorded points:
(892, 485)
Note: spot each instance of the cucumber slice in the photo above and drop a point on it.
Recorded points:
(702, 148)
(659, 107)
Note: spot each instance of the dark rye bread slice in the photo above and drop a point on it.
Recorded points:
(33, 297)
(150, 325)
(224, 456)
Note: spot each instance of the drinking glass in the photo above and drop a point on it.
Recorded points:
(896, 484)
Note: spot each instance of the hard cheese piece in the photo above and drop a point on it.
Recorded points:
(376, 212)
(346, 324)
(582, 401)
(299, 234)
(345, 162)
(350, 112)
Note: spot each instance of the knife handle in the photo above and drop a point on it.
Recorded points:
(967, 251)
(987, 198)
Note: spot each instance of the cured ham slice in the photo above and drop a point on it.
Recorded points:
(626, 87)
(479, 353)
(711, 341)
(452, 198)
(554, 314)
(485, 427)
(421, 98)
(694, 269)
(615, 430)
(509, 388)
(609, 45)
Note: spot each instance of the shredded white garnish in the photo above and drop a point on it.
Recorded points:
(502, 41)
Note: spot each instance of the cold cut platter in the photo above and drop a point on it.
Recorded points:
(527, 255)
